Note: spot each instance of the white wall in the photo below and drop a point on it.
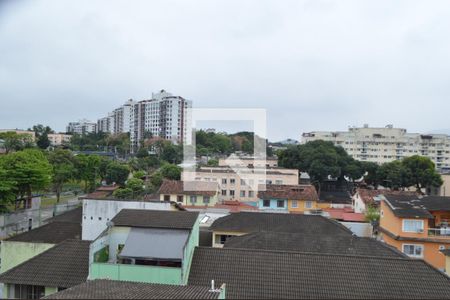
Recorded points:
(360, 229)
(96, 213)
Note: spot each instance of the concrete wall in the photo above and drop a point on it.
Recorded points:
(360, 229)
(14, 253)
(193, 242)
(136, 273)
(96, 213)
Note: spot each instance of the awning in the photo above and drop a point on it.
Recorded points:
(150, 243)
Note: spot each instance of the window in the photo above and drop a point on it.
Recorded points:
(250, 194)
(221, 239)
(224, 181)
(242, 182)
(232, 181)
(278, 181)
(266, 203)
(193, 199)
(232, 193)
(251, 182)
(242, 193)
(280, 203)
(166, 197)
(22, 291)
(180, 198)
(206, 199)
(381, 213)
(413, 226)
(224, 192)
(413, 250)
(294, 204)
(308, 204)
(441, 247)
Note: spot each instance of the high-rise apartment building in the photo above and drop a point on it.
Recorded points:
(163, 115)
(387, 144)
(81, 127)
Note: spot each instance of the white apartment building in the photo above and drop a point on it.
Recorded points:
(387, 144)
(117, 121)
(106, 124)
(163, 115)
(81, 127)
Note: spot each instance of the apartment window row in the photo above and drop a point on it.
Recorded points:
(193, 199)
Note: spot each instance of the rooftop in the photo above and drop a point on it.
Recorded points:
(280, 274)
(155, 219)
(371, 196)
(417, 206)
(336, 197)
(71, 216)
(345, 214)
(189, 187)
(299, 242)
(278, 222)
(51, 233)
(64, 265)
(111, 289)
(295, 192)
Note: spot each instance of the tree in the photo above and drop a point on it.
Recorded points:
(370, 173)
(138, 174)
(117, 173)
(372, 214)
(156, 180)
(394, 175)
(422, 172)
(213, 163)
(136, 185)
(170, 171)
(29, 169)
(88, 167)
(123, 193)
(63, 166)
(8, 189)
(13, 141)
(41, 133)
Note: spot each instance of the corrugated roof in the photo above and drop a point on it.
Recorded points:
(51, 233)
(258, 274)
(111, 289)
(278, 222)
(155, 218)
(300, 242)
(64, 265)
(292, 192)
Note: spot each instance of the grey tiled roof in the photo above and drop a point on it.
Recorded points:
(299, 242)
(276, 274)
(279, 222)
(51, 233)
(155, 218)
(109, 289)
(71, 216)
(64, 265)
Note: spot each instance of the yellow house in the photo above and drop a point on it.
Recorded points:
(289, 198)
(189, 193)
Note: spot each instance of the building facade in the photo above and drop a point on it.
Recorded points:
(57, 139)
(417, 226)
(164, 115)
(82, 127)
(387, 144)
(242, 184)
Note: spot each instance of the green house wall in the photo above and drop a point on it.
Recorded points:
(15, 253)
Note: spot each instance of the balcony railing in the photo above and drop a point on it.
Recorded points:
(439, 232)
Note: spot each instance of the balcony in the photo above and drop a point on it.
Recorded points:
(439, 232)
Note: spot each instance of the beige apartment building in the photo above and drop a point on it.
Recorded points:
(387, 144)
(242, 184)
(31, 133)
(57, 139)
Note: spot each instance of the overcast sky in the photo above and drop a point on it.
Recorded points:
(314, 65)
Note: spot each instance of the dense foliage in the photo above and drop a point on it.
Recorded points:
(322, 160)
